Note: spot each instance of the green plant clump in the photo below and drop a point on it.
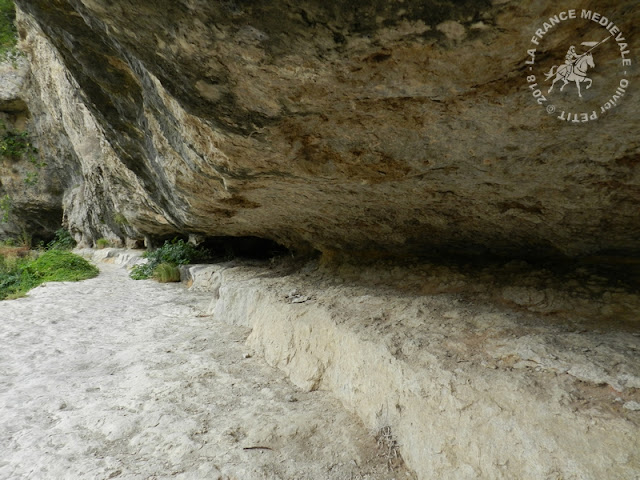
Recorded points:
(177, 252)
(62, 241)
(5, 208)
(14, 145)
(19, 275)
(62, 266)
(8, 33)
(15, 278)
(102, 243)
(17, 145)
(120, 219)
(166, 272)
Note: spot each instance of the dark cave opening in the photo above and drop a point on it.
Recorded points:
(245, 247)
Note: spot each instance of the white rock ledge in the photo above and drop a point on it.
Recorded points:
(469, 390)
(467, 393)
(117, 256)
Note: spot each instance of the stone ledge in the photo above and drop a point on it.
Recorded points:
(117, 256)
(468, 390)
(465, 392)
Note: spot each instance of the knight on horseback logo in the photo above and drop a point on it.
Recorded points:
(571, 56)
(575, 67)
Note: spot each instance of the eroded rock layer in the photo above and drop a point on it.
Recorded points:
(30, 189)
(472, 389)
(346, 127)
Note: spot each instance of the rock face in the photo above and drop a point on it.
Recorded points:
(30, 190)
(471, 389)
(347, 127)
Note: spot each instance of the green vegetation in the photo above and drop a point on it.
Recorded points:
(8, 33)
(62, 241)
(174, 253)
(25, 239)
(17, 145)
(19, 274)
(102, 243)
(166, 272)
(120, 219)
(5, 208)
(62, 266)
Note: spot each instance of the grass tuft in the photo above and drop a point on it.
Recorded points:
(166, 272)
(102, 243)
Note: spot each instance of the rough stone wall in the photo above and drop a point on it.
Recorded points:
(98, 189)
(347, 127)
(31, 188)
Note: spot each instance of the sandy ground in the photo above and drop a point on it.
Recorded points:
(113, 378)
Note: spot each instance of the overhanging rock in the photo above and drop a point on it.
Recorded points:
(368, 128)
(469, 389)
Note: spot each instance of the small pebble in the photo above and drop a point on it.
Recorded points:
(634, 406)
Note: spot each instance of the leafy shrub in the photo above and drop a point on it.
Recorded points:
(141, 271)
(62, 241)
(177, 252)
(16, 144)
(166, 272)
(21, 274)
(62, 266)
(102, 243)
(15, 278)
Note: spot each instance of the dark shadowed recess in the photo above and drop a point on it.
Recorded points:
(222, 248)
(253, 248)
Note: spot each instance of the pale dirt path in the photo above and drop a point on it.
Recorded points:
(113, 378)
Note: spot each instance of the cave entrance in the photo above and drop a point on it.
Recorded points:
(254, 248)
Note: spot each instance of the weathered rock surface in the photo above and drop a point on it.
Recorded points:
(471, 388)
(347, 127)
(30, 190)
